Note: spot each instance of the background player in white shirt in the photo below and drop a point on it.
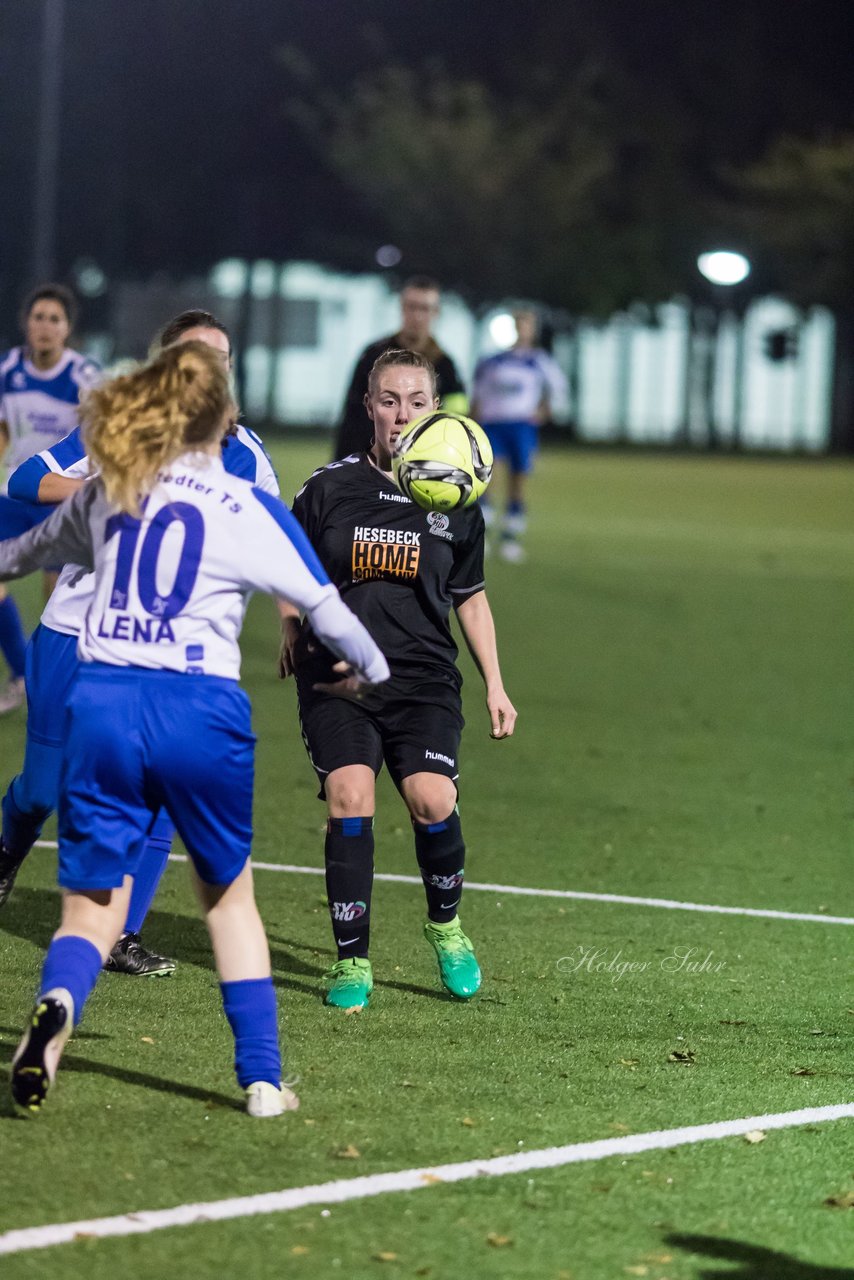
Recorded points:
(40, 387)
(31, 797)
(156, 717)
(514, 391)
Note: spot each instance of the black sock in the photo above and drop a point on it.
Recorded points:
(21, 827)
(349, 877)
(441, 853)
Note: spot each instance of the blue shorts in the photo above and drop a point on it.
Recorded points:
(138, 741)
(52, 665)
(514, 442)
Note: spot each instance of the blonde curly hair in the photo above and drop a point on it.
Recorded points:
(137, 424)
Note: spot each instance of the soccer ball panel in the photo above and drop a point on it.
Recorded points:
(442, 461)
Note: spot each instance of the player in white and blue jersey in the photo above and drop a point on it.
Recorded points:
(514, 391)
(52, 662)
(156, 718)
(40, 387)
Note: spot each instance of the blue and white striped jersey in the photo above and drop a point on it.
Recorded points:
(243, 455)
(512, 385)
(40, 408)
(170, 588)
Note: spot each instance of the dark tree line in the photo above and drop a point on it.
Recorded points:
(578, 152)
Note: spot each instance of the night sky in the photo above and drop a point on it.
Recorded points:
(178, 146)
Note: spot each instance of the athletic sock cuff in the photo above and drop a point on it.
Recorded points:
(451, 823)
(349, 826)
(74, 963)
(250, 1006)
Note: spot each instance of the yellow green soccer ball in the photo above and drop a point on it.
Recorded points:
(442, 461)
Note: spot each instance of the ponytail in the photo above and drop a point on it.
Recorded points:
(137, 424)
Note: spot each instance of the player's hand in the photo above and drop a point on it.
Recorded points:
(502, 713)
(351, 686)
(291, 628)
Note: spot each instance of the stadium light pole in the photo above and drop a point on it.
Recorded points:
(47, 145)
(724, 269)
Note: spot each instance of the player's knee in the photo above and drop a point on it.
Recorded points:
(349, 798)
(431, 799)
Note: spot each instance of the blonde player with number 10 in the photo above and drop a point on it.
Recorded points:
(176, 545)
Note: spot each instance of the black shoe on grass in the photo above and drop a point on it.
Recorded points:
(131, 957)
(37, 1056)
(9, 868)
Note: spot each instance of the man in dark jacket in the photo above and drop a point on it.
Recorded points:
(419, 306)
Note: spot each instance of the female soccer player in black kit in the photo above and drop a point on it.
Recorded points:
(400, 569)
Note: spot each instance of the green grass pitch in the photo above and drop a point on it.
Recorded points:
(679, 646)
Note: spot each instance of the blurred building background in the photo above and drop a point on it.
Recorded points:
(669, 374)
(289, 166)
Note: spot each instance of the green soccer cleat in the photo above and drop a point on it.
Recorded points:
(458, 967)
(351, 982)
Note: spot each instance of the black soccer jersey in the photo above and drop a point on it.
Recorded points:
(398, 567)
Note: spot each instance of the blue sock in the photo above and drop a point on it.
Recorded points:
(152, 864)
(515, 507)
(250, 1007)
(13, 642)
(73, 963)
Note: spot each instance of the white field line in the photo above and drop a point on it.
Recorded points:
(509, 890)
(339, 1192)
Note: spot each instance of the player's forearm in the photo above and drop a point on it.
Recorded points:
(54, 488)
(478, 628)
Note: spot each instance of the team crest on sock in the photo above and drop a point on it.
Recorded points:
(348, 911)
(443, 882)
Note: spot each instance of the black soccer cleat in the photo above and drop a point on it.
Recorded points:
(131, 957)
(9, 868)
(37, 1056)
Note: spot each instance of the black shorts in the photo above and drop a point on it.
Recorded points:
(411, 727)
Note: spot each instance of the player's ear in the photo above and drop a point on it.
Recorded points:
(369, 409)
